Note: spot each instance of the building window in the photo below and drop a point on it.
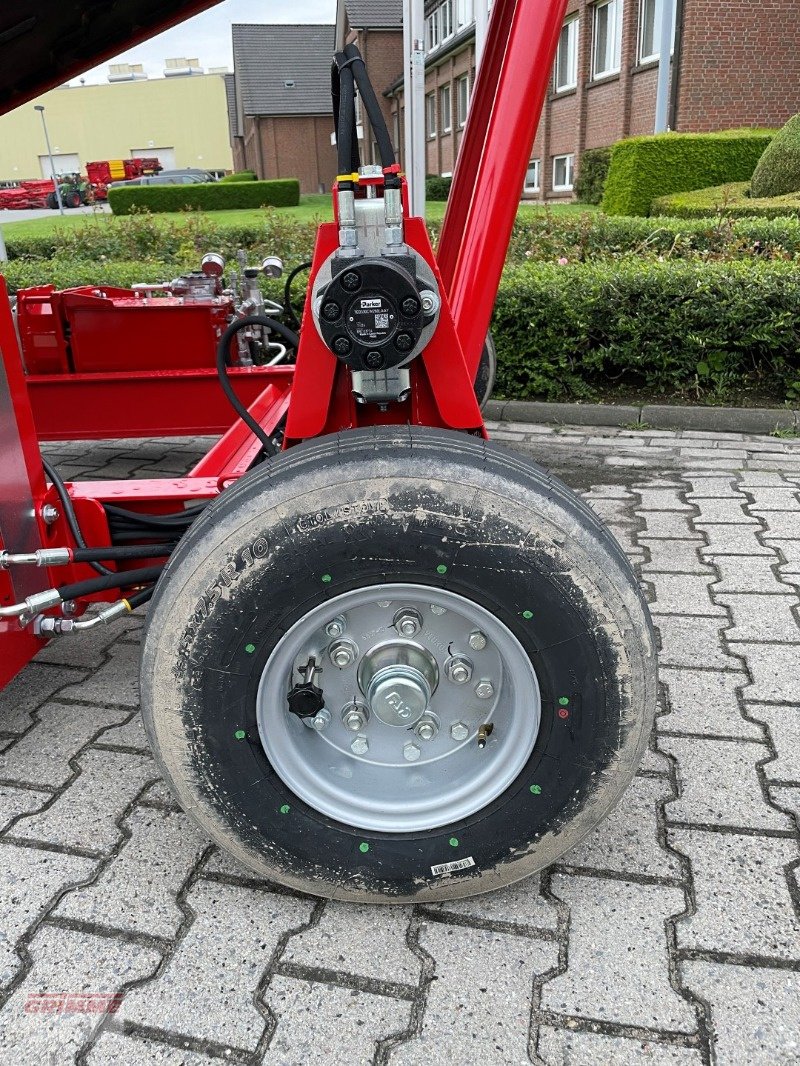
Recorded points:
(563, 166)
(462, 100)
(439, 25)
(650, 14)
(607, 49)
(465, 14)
(430, 114)
(532, 176)
(567, 57)
(445, 109)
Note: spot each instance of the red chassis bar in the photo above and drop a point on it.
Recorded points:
(505, 111)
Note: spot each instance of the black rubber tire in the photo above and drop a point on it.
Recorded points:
(52, 201)
(72, 199)
(487, 372)
(370, 507)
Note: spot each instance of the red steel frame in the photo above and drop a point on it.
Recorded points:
(315, 395)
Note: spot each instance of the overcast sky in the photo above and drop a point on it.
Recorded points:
(208, 36)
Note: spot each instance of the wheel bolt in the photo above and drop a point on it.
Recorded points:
(360, 746)
(427, 727)
(458, 669)
(411, 752)
(407, 622)
(354, 717)
(477, 641)
(336, 626)
(321, 720)
(342, 653)
(459, 731)
(484, 690)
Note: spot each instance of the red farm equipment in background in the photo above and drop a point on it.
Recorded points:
(374, 637)
(75, 189)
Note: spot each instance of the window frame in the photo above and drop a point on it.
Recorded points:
(461, 119)
(571, 25)
(431, 125)
(655, 55)
(446, 110)
(570, 172)
(536, 165)
(616, 41)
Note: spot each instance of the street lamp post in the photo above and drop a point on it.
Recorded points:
(40, 109)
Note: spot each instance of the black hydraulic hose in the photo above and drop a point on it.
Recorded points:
(141, 597)
(345, 114)
(367, 93)
(119, 580)
(287, 292)
(222, 369)
(69, 513)
(131, 551)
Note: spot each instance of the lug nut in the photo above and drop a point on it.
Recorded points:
(458, 669)
(477, 641)
(484, 690)
(411, 752)
(408, 622)
(321, 720)
(336, 626)
(360, 746)
(354, 717)
(342, 653)
(459, 731)
(427, 727)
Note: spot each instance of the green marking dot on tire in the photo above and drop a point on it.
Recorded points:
(240, 734)
(453, 842)
(527, 615)
(326, 579)
(563, 701)
(363, 847)
(249, 648)
(536, 790)
(285, 808)
(441, 569)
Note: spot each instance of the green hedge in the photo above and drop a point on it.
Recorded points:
(701, 331)
(437, 188)
(240, 175)
(213, 196)
(730, 201)
(778, 170)
(644, 168)
(592, 175)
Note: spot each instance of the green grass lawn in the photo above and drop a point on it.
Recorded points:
(310, 209)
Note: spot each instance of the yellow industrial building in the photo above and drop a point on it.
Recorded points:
(182, 120)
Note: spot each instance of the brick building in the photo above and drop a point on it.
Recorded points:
(731, 67)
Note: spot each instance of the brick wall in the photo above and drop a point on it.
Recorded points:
(292, 147)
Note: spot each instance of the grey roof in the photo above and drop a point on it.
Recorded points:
(233, 113)
(266, 57)
(374, 14)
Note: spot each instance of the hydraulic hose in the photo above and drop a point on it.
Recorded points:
(222, 369)
(367, 93)
(69, 513)
(118, 580)
(287, 293)
(343, 93)
(131, 551)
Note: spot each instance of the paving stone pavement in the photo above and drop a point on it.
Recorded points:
(670, 936)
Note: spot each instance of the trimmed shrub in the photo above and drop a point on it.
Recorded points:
(437, 188)
(644, 168)
(701, 331)
(211, 196)
(66, 274)
(778, 170)
(592, 174)
(240, 175)
(730, 201)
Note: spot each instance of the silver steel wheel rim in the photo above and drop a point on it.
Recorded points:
(385, 789)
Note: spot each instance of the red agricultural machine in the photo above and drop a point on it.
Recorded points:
(384, 659)
(75, 189)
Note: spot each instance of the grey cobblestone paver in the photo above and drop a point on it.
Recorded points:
(671, 935)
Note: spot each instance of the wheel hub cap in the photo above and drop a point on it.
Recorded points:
(398, 680)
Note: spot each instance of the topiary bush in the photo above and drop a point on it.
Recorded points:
(213, 196)
(729, 201)
(437, 188)
(590, 182)
(778, 170)
(240, 175)
(644, 168)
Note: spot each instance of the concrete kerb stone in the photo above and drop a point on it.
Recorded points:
(659, 416)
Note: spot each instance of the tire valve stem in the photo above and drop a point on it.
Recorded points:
(484, 732)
